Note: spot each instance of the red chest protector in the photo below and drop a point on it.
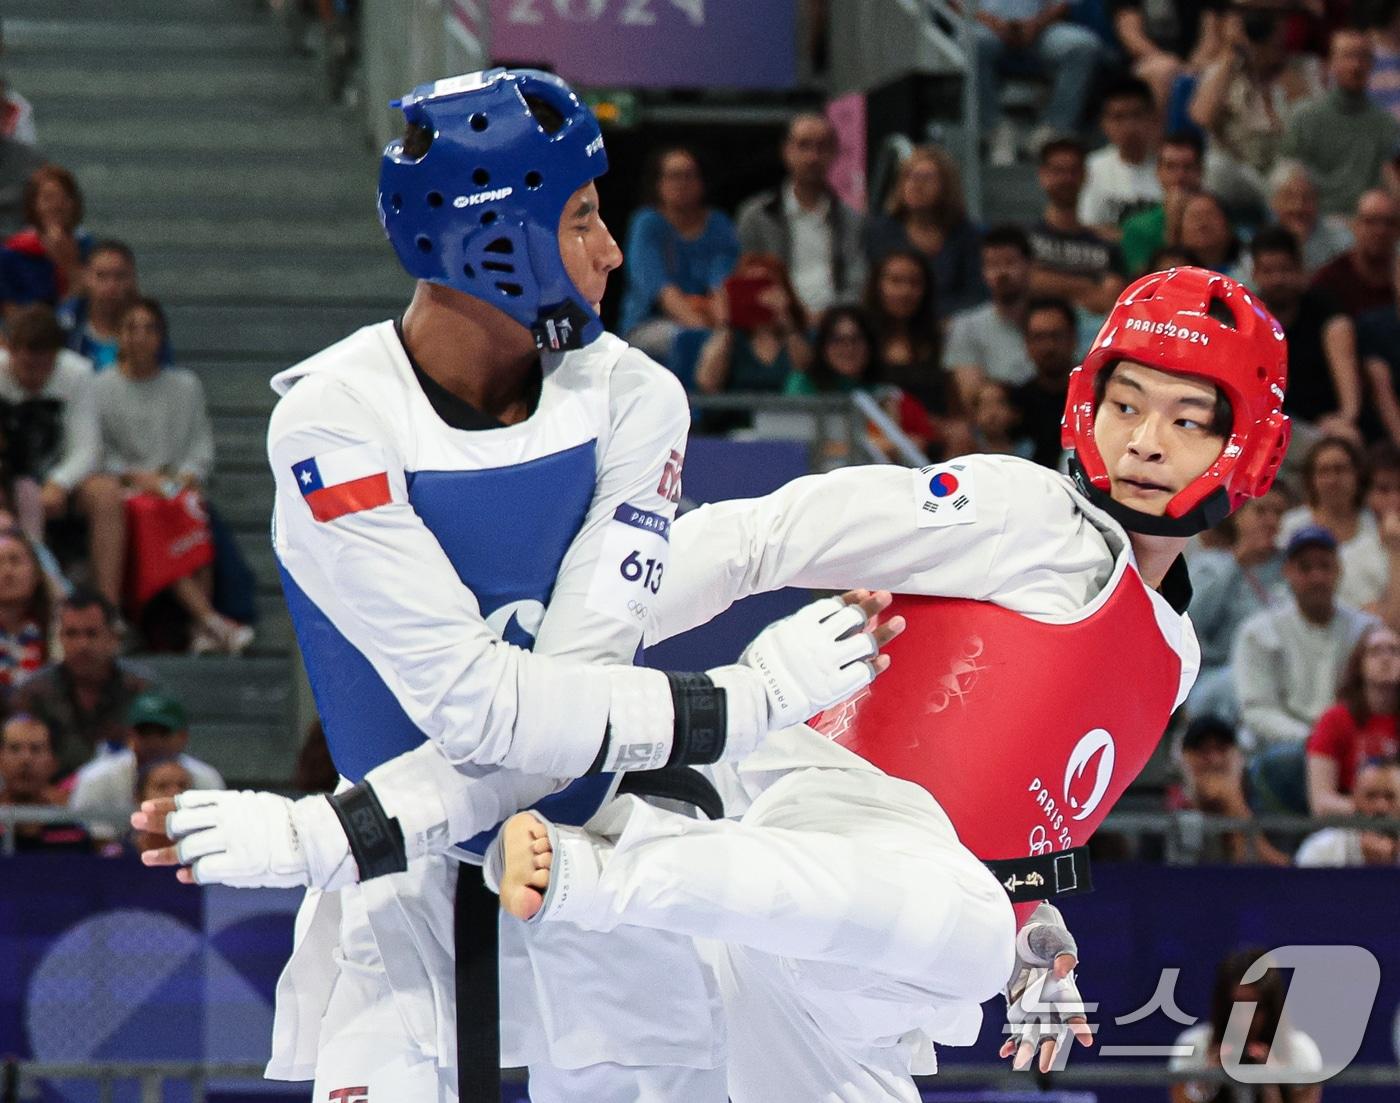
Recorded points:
(1025, 732)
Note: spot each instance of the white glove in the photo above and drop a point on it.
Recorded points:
(811, 660)
(1043, 1005)
(260, 840)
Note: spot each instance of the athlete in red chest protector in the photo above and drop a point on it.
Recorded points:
(862, 891)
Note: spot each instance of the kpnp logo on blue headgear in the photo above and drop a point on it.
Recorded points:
(479, 209)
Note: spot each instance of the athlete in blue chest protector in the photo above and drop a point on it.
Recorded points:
(471, 525)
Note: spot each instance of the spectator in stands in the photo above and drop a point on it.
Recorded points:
(1166, 41)
(25, 609)
(43, 262)
(1241, 102)
(1363, 278)
(1206, 233)
(989, 341)
(902, 307)
(1335, 491)
(1071, 260)
(926, 211)
(47, 418)
(679, 251)
(1293, 204)
(1122, 177)
(165, 778)
(805, 223)
(27, 773)
(845, 359)
(1040, 400)
(1270, 1038)
(1360, 727)
(1172, 256)
(16, 115)
(1324, 378)
(157, 730)
(1287, 657)
(110, 287)
(1036, 33)
(1378, 346)
(1228, 586)
(18, 162)
(1384, 85)
(1179, 176)
(757, 352)
(996, 423)
(1377, 794)
(1214, 783)
(83, 697)
(157, 441)
(1341, 135)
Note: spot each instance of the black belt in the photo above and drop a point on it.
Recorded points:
(476, 937)
(1059, 873)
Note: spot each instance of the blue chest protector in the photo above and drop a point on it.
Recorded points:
(506, 531)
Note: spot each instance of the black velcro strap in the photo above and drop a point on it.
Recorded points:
(1059, 873)
(476, 913)
(376, 841)
(675, 783)
(701, 720)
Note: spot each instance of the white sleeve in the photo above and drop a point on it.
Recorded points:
(1091, 206)
(1259, 670)
(384, 582)
(867, 526)
(198, 458)
(82, 438)
(1321, 849)
(596, 613)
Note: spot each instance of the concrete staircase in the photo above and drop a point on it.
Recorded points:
(201, 140)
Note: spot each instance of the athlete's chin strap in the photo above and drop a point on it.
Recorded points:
(1209, 513)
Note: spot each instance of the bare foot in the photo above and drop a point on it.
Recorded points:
(528, 856)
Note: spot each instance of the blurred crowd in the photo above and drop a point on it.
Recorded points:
(1261, 140)
(108, 545)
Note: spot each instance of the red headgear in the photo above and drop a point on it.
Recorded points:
(1198, 323)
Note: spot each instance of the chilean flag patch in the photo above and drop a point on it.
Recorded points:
(348, 480)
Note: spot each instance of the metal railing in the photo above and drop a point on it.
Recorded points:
(1135, 823)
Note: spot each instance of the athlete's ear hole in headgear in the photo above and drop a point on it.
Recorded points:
(481, 178)
(469, 271)
(417, 139)
(501, 245)
(435, 199)
(425, 243)
(548, 116)
(488, 217)
(533, 180)
(396, 201)
(514, 290)
(479, 122)
(1220, 310)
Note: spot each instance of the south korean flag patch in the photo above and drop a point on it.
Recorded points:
(944, 495)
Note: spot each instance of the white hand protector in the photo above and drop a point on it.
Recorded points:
(1040, 1001)
(811, 660)
(260, 840)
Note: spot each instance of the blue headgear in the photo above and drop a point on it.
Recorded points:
(479, 211)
